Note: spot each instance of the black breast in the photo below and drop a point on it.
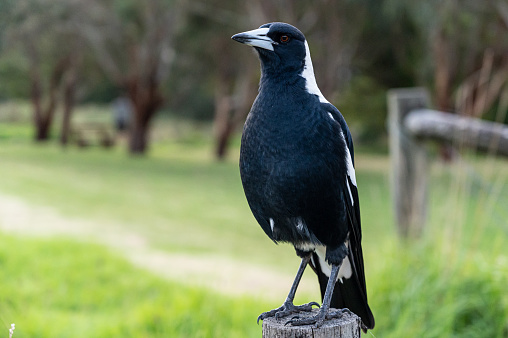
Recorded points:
(293, 171)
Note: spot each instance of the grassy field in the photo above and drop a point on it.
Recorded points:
(57, 288)
(452, 283)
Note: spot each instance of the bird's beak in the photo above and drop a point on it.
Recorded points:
(255, 38)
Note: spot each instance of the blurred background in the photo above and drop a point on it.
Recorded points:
(121, 207)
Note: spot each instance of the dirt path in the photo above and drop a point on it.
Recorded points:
(218, 273)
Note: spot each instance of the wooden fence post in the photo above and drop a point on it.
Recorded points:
(409, 162)
(348, 326)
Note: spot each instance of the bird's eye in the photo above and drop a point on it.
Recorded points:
(284, 38)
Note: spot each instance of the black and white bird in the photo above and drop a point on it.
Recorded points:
(297, 171)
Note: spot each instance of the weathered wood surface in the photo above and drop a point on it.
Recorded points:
(409, 162)
(348, 326)
(459, 130)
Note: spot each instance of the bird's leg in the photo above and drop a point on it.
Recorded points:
(288, 307)
(323, 314)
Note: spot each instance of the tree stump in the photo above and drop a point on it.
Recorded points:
(348, 326)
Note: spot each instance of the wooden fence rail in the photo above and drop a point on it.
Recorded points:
(464, 131)
(410, 124)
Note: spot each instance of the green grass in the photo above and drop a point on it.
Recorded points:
(452, 283)
(57, 288)
(177, 186)
(422, 292)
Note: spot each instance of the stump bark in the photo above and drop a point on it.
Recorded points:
(348, 326)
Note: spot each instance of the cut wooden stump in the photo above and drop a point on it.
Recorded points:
(348, 326)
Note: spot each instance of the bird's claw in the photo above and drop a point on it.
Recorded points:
(286, 309)
(290, 309)
(318, 319)
(339, 313)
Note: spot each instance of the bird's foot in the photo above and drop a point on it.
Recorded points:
(286, 309)
(318, 319)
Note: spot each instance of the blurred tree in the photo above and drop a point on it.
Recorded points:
(133, 43)
(363, 104)
(231, 85)
(13, 74)
(462, 37)
(468, 46)
(43, 30)
(359, 48)
(478, 92)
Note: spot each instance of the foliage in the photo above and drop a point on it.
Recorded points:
(363, 105)
(455, 48)
(13, 66)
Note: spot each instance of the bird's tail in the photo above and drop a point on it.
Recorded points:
(347, 293)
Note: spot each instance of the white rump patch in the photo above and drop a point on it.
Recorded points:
(310, 79)
(306, 246)
(345, 270)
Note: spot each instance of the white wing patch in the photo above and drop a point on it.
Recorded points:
(350, 167)
(308, 75)
(350, 194)
(272, 223)
(349, 162)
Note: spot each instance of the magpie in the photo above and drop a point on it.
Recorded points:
(297, 172)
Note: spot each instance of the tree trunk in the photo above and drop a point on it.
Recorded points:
(146, 99)
(68, 101)
(443, 83)
(138, 140)
(42, 130)
(222, 121)
(40, 124)
(233, 98)
(442, 73)
(223, 142)
(43, 117)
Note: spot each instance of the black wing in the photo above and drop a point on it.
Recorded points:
(350, 293)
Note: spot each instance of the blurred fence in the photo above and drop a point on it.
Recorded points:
(411, 124)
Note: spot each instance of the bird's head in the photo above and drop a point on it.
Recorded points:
(284, 53)
(281, 47)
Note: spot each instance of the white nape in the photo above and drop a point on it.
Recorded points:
(308, 75)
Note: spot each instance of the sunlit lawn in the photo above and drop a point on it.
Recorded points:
(56, 288)
(451, 283)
